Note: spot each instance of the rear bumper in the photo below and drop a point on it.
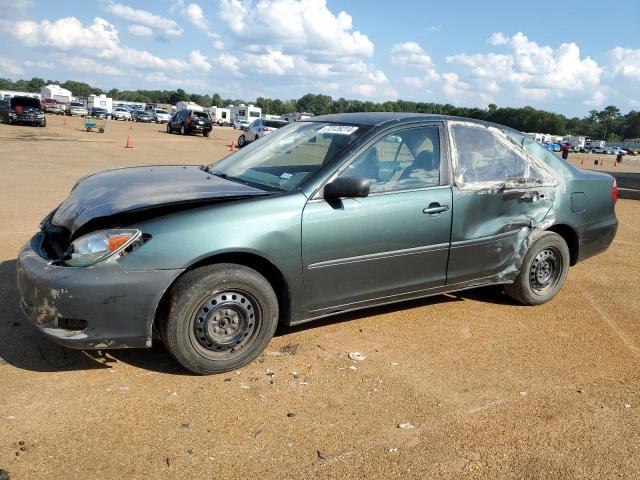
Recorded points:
(595, 237)
(105, 306)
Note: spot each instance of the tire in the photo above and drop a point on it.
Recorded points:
(544, 269)
(242, 141)
(205, 133)
(183, 130)
(212, 298)
(44, 123)
(168, 128)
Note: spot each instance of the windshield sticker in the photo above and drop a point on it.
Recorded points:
(286, 176)
(339, 129)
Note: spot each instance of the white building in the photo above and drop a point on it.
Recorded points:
(56, 92)
(576, 141)
(100, 101)
(248, 113)
(194, 107)
(219, 115)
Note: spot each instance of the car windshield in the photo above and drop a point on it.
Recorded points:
(274, 123)
(200, 114)
(289, 156)
(161, 111)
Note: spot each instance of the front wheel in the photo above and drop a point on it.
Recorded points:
(242, 141)
(183, 130)
(544, 269)
(168, 128)
(206, 133)
(221, 318)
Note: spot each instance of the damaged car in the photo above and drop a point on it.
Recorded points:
(327, 215)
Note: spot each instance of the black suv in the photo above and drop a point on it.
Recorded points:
(24, 111)
(187, 121)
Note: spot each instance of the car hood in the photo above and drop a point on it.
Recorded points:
(141, 188)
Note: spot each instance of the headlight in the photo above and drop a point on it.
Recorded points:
(98, 246)
(11, 114)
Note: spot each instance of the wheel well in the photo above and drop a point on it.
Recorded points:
(571, 237)
(260, 264)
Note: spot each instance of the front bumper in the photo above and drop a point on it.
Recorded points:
(27, 119)
(99, 307)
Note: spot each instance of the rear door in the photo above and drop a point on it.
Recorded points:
(498, 196)
(392, 243)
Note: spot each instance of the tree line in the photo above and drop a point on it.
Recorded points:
(606, 124)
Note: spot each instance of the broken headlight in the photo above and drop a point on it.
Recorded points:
(98, 246)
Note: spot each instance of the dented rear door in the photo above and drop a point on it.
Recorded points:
(500, 195)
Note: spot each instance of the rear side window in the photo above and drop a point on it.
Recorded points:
(273, 123)
(486, 157)
(200, 114)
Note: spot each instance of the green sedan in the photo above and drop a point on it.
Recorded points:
(327, 215)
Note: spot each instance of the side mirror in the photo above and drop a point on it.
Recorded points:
(346, 187)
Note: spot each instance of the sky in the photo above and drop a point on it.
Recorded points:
(569, 57)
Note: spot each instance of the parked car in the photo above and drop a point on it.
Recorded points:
(51, 105)
(259, 128)
(144, 116)
(323, 216)
(24, 111)
(121, 113)
(601, 150)
(76, 108)
(240, 124)
(99, 112)
(188, 121)
(161, 115)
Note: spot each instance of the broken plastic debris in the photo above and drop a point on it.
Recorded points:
(352, 367)
(393, 450)
(321, 455)
(269, 372)
(523, 393)
(296, 375)
(406, 426)
(627, 405)
(394, 364)
(242, 385)
(357, 356)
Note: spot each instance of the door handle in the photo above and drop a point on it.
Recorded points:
(435, 209)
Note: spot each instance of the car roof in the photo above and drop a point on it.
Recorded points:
(376, 119)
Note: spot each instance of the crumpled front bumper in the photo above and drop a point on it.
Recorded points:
(116, 306)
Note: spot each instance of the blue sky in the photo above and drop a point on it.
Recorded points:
(568, 57)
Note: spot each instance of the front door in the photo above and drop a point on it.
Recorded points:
(393, 242)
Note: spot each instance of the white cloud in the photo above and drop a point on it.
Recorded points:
(83, 64)
(39, 64)
(626, 62)
(229, 62)
(8, 67)
(412, 55)
(143, 17)
(199, 61)
(272, 62)
(99, 39)
(195, 15)
(140, 31)
(532, 71)
(218, 44)
(296, 26)
(597, 100)
(498, 38)
(365, 89)
(453, 87)
(413, 82)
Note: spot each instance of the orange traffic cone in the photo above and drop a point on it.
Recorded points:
(582, 161)
(65, 120)
(130, 126)
(129, 144)
(233, 147)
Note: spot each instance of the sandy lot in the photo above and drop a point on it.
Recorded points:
(493, 390)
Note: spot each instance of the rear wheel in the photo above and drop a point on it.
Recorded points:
(168, 128)
(183, 130)
(221, 318)
(544, 269)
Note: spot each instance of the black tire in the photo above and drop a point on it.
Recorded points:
(44, 123)
(183, 130)
(242, 141)
(168, 128)
(205, 133)
(198, 329)
(544, 269)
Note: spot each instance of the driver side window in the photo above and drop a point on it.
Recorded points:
(404, 160)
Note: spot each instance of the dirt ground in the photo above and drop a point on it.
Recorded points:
(493, 390)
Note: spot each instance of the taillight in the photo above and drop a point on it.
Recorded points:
(189, 119)
(614, 192)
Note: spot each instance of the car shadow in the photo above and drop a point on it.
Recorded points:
(24, 347)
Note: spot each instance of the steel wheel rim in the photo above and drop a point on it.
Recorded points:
(546, 270)
(225, 324)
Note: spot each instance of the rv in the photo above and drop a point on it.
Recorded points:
(194, 107)
(296, 116)
(100, 101)
(56, 92)
(245, 113)
(220, 116)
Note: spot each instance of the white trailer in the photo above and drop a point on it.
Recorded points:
(100, 101)
(221, 116)
(296, 116)
(194, 107)
(576, 141)
(246, 113)
(56, 92)
(594, 143)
